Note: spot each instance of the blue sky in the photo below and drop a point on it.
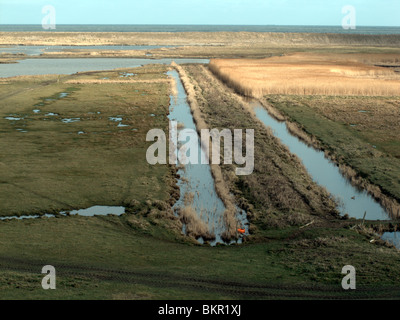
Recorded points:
(247, 12)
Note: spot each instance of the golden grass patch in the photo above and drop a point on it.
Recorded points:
(307, 74)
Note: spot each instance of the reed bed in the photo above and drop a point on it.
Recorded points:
(306, 74)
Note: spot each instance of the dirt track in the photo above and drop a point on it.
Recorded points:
(241, 290)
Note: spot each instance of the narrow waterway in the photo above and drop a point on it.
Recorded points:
(88, 212)
(393, 238)
(197, 178)
(351, 200)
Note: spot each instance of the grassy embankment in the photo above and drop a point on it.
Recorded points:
(142, 255)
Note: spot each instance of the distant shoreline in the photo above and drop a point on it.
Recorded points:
(252, 39)
(367, 30)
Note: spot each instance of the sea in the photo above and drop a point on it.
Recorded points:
(202, 28)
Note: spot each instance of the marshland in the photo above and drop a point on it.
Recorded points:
(74, 125)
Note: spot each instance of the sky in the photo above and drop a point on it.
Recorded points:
(231, 12)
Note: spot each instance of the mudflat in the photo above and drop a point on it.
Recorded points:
(201, 44)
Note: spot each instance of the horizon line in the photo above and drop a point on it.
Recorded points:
(197, 24)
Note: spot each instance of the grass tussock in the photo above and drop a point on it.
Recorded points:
(305, 74)
(195, 226)
(174, 88)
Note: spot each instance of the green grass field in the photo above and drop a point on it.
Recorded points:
(135, 257)
(56, 166)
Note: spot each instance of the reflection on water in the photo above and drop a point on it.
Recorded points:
(98, 211)
(70, 120)
(393, 238)
(13, 118)
(89, 212)
(351, 200)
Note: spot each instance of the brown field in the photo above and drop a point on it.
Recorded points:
(309, 73)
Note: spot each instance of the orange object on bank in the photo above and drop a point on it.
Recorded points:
(241, 230)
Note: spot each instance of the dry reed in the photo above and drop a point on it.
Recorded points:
(195, 227)
(302, 74)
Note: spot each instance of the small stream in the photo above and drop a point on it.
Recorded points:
(351, 200)
(89, 212)
(197, 178)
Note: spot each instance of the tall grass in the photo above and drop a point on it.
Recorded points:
(297, 75)
(196, 227)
